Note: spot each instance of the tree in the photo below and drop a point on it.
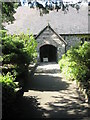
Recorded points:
(7, 9)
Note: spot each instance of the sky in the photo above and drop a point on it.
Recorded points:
(26, 1)
(62, 0)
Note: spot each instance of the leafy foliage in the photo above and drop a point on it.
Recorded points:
(51, 5)
(7, 80)
(18, 52)
(76, 64)
(8, 91)
(7, 10)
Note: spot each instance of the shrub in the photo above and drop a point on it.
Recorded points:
(18, 52)
(8, 92)
(75, 64)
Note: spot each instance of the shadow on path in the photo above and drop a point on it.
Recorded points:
(47, 83)
(24, 108)
(46, 78)
(58, 98)
(67, 108)
(49, 96)
(28, 107)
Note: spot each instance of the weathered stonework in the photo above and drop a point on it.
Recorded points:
(75, 39)
(49, 37)
(71, 40)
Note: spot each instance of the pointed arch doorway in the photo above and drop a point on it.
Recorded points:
(49, 52)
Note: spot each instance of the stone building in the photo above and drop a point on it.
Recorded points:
(55, 38)
(51, 46)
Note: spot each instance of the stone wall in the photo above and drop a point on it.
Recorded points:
(48, 37)
(62, 42)
(73, 40)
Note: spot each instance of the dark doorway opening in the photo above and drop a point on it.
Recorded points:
(48, 51)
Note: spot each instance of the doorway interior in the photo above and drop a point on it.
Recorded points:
(49, 52)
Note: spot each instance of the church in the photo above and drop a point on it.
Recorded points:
(55, 32)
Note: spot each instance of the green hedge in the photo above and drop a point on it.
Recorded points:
(75, 64)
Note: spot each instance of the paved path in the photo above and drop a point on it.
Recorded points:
(57, 97)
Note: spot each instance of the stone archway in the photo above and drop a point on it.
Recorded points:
(51, 46)
(49, 52)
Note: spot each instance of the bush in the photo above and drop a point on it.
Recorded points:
(8, 92)
(76, 64)
(18, 52)
(8, 86)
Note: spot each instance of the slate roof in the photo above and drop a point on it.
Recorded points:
(70, 23)
(48, 26)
